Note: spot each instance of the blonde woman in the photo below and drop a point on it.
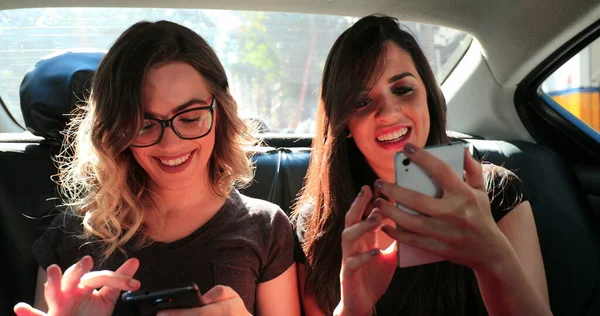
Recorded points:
(148, 173)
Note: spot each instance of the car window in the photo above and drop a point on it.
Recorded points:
(274, 60)
(575, 88)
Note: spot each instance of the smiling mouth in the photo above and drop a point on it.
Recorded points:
(175, 162)
(393, 136)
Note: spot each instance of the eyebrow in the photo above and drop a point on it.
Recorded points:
(400, 76)
(181, 107)
(394, 79)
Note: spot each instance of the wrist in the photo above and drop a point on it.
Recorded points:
(498, 266)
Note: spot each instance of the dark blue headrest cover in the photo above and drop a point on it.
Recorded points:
(52, 89)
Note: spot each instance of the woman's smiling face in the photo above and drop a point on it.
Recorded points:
(391, 113)
(175, 163)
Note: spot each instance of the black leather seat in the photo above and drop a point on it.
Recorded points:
(49, 91)
(566, 227)
(279, 174)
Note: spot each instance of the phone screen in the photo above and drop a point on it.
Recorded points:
(144, 302)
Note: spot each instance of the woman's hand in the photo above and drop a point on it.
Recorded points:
(459, 226)
(74, 293)
(219, 301)
(366, 271)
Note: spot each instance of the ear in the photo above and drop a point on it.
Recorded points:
(349, 135)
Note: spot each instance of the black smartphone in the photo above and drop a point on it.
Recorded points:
(145, 303)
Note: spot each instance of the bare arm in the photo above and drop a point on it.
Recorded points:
(39, 301)
(517, 286)
(308, 301)
(280, 295)
(519, 228)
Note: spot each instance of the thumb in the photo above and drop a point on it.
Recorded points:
(218, 293)
(24, 309)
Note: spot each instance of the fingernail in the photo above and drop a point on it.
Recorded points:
(374, 252)
(378, 184)
(410, 148)
(362, 190)
(134, 283)
(373, 219)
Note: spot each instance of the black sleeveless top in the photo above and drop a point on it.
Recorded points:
(440, 288)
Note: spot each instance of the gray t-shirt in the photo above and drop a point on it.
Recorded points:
(249, 241)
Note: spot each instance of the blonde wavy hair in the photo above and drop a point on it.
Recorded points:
(99, 178)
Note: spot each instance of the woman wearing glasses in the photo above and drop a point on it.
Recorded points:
(148, 175)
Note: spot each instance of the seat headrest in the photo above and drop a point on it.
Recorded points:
(53, 87)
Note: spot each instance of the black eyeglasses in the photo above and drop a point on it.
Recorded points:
(189, 124)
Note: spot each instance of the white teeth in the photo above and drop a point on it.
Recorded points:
(392, 136)
(175, 162)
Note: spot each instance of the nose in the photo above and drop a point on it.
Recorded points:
(388, 108)
(169, 140)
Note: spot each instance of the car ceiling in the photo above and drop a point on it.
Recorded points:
(515, 34)
(514, 37)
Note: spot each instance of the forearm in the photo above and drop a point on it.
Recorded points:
(340, 311)
(506, 289)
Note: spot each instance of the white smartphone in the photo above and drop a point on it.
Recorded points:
(411, 176)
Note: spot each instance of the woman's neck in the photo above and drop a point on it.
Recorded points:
(183, 210)
(180, 199)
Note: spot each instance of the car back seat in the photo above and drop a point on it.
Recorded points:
(566, 226)
(568, 237)
(49, 91)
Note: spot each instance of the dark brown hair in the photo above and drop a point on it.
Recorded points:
(98, 175)
(338, 169)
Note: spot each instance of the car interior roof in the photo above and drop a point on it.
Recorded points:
(515, 35)
(512, 38)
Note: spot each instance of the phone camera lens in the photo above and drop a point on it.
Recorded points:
(406, 162)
